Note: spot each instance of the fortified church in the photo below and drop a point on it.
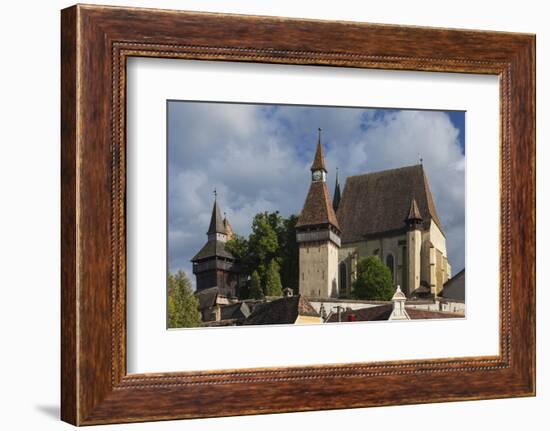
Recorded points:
(390, 214)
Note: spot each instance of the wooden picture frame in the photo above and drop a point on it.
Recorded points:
(95, 43)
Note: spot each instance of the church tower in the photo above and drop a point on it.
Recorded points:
(213, 265)
(318, 235)
(414, 243)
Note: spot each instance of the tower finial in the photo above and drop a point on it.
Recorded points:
(216, 221)
(319, 159)
(420, 158)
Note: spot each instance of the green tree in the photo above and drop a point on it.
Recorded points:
(288, 254)
(273, 286)
(273, 237)
(374, 280)
(263, 240)
(183, 307)
(239, 247)
(255, 288)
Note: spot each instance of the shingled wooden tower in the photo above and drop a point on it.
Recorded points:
(318, 235)
(213, 265)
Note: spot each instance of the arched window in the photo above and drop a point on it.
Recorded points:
(389, 264)
(343, 279)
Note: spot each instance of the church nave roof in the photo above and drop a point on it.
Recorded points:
(378, 203)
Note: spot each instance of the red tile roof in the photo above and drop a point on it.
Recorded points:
(379, 312)
(317, 207)
(319, 159)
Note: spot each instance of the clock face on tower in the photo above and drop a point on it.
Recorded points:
(317, 175)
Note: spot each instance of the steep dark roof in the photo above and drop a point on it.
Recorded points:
(418, 314)
(319, 159)
(380, 312)
(455, 287)
(216, 221)
(423, 290)
(212, 248)
(281, 311)
(238, 311)
(207, 297)
(317, 207)
(379, 202)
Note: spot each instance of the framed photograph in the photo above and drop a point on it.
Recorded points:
(331, 214)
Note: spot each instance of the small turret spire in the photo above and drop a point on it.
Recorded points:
(399, 312)
(414, 218)
(227, 226)
(337, 195)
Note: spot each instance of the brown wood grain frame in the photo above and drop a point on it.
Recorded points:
(96, 41)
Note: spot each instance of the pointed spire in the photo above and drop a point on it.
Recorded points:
(319, 160)
(216, 221)
(227, 226)
(414, 218)
(337, 195)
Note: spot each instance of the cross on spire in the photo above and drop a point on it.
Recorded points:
(216, 221)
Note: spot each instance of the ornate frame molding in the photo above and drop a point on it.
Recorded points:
(96, 41)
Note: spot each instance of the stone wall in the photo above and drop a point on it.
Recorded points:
(318, 269)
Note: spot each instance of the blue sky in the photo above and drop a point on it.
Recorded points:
(258, 158)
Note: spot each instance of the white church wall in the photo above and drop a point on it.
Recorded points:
(382, 247)
(445, 305)
(437, 238)
(452, 306)
(345, 256)
(440, 243)
(332, 269)
(435, 269)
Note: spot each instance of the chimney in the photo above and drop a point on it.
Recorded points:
(323, 312)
